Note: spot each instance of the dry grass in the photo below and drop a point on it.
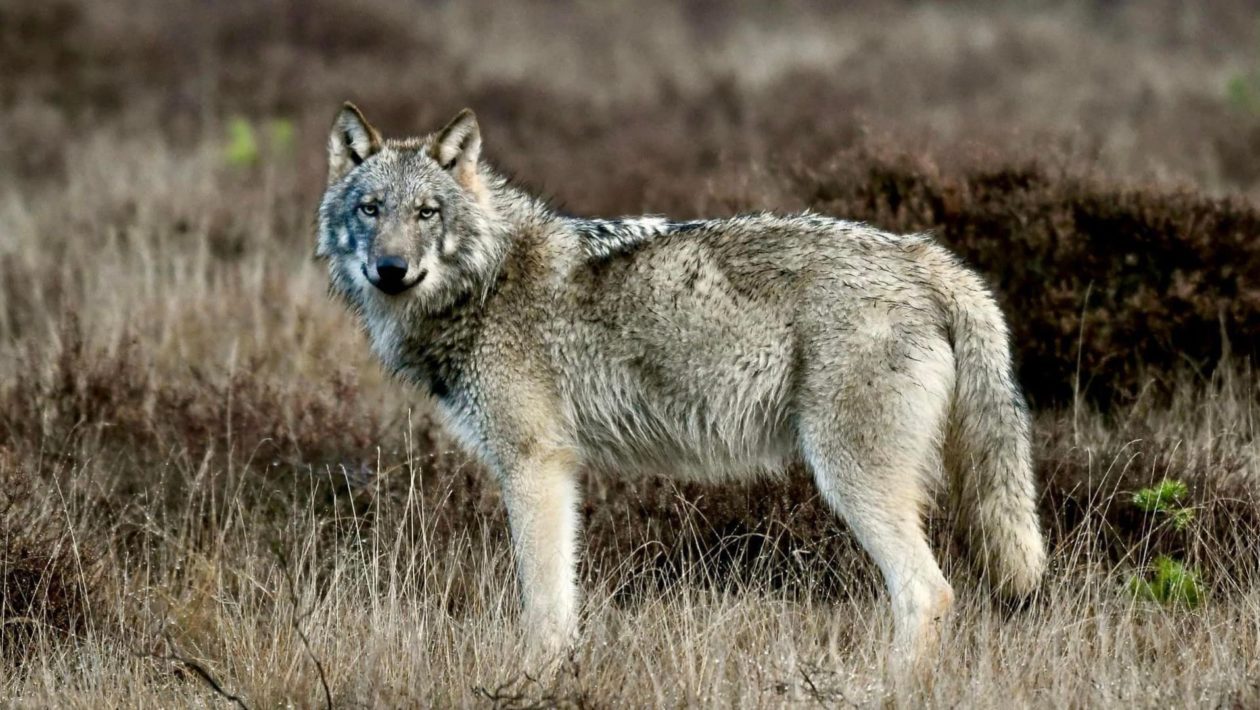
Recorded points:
(402, 585)
(202, 467)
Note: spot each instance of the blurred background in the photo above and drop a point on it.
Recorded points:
(180, 396)
(1162, 90)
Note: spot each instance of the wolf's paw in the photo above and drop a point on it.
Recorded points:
(547, 650)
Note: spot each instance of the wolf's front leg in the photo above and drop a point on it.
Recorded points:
(541, 496)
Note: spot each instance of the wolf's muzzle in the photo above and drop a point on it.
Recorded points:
(391, 275)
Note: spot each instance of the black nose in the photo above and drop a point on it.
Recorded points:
(392, 271)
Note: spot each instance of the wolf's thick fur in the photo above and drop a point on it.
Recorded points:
(717, 349)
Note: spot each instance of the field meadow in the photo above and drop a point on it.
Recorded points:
(211, 495)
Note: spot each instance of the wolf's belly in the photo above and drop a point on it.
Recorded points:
(637, 419)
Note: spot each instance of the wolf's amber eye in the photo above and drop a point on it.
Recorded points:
(369, 209)
(427, 212)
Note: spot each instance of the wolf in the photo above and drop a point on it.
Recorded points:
(717, 349)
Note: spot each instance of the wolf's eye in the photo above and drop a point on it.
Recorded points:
(427, 212)
(369, 209)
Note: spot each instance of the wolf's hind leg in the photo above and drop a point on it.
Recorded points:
(882, 507)
(873, 462)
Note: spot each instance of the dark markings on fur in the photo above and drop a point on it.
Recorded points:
(688, 226)
(439, 347)
(438, 379)
(354, 155)
(608, 237)
(357, 231)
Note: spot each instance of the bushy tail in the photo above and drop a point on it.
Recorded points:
(988, 446)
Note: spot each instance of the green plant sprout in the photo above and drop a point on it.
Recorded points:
(1168, 581)
(1242, 91)
(1165, 499)
(241, 148)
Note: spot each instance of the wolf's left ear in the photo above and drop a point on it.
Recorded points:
(352, 141)
(458, 146)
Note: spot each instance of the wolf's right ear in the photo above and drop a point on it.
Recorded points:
(457, 148)
(352, 141)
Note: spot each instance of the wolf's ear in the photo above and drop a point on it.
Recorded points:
(352, 141)
(458, 146)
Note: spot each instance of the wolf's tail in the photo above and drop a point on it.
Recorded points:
(988, 445)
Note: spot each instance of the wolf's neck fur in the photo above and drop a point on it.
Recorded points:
(512, 206)
(519, 212)
(440, 342)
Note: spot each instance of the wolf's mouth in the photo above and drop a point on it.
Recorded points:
(391, 287)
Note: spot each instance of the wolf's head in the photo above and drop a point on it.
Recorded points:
(405, 223)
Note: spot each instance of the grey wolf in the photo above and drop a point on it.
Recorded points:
(716, 349)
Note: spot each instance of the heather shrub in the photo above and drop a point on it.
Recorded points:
(48, 578)
(114, 400)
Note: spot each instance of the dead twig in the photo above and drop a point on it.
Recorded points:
(199, 670)
(294, 619)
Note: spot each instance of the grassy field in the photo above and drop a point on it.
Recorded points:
(209, 489)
